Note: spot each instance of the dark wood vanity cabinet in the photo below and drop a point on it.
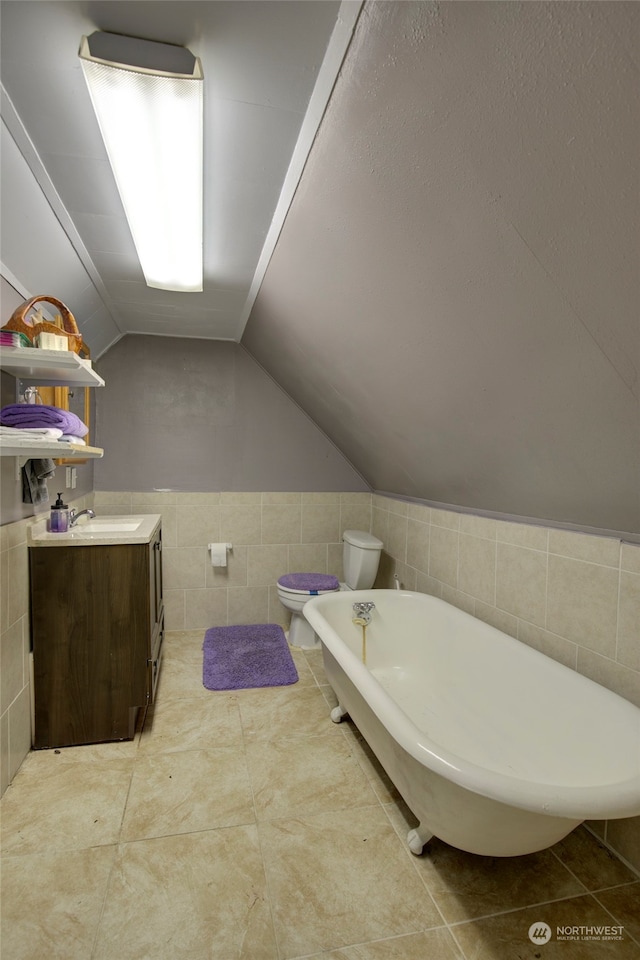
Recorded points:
(97, 626)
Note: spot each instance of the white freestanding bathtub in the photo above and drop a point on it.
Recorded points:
(496, 748)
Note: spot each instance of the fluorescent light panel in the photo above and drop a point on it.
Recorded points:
(151, 123)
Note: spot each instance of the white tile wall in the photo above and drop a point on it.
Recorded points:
(15, 726)
(271, 534)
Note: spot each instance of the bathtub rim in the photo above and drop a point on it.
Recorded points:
(611, 800)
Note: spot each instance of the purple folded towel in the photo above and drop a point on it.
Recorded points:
(41, 415)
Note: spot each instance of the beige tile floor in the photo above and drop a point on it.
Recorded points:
(247, 826)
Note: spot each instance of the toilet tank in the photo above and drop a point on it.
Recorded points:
(360, 558)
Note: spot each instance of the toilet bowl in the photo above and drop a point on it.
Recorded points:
(294, 589)
(360, 559)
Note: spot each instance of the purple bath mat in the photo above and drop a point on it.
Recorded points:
(253, 655)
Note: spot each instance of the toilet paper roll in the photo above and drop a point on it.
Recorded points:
(218, 553)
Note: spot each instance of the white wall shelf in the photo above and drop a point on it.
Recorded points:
(53, 449)
(46, 368)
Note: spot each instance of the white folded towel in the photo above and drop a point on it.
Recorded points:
(69, 438)
(37, 434)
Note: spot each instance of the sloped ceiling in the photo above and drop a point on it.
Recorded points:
(268, 67)
(454, 297)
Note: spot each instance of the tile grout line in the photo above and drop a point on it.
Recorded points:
(617, 857)
(367, 943)
(569, 870)
(407, 853)
(526, 906)
(613, 916)
(267, 891)
(117, 844)
(445, 924)
(401, 843)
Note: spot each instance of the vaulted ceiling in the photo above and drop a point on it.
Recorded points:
(261, 61)
(453, 295)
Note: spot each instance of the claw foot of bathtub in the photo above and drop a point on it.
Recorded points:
(338, 714)
(417, 838)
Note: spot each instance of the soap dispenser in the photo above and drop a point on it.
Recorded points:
(59, 522)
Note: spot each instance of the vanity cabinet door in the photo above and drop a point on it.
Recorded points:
(156, 613)
(92, 640)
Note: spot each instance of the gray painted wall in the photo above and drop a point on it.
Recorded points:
(454, 296)
(201, 415)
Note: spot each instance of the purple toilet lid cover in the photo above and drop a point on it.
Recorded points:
(313, 582)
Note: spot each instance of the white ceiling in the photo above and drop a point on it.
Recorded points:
(265, 91)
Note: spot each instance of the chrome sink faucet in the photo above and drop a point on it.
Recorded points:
(74, 517)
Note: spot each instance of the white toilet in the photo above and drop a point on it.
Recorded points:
(360, 560)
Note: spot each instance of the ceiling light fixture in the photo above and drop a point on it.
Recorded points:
(148, 98)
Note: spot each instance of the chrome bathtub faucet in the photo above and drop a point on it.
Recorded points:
(362, 610)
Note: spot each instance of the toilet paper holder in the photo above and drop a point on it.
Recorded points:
(218, 553)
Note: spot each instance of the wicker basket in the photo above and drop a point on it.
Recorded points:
(32, 325)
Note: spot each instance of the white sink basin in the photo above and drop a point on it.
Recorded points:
(104, 526)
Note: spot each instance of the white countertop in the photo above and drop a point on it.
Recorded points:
(135, 528)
